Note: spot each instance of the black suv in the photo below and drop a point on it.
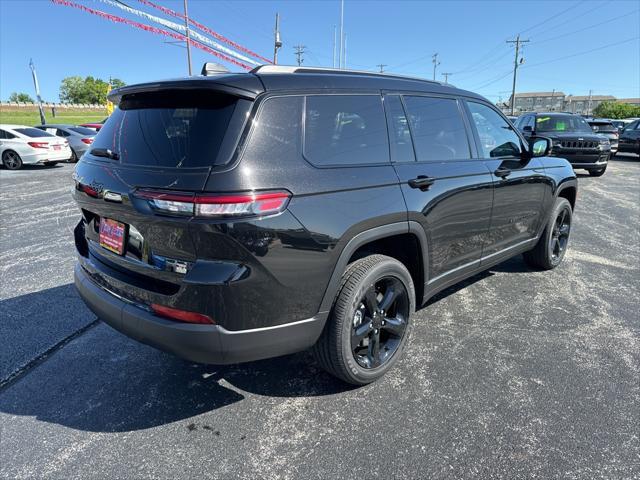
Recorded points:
(237, 217)
(630, 138)
(572, 139)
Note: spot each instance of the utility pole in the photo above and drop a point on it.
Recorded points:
(276, 40)
(553, 94)
(299, 53)
(589, 104)
(345, 52)
(341, 33)
(434, 60)
(446, 76)
(35, 84)
(381, 66)
(186, 24)
(517, 41)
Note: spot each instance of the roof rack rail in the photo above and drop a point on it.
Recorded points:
(269, 68)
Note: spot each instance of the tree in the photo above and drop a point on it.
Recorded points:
(20, 97)
(616, 110)
(86, 90)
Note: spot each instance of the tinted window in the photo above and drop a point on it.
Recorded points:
(33, 132)
(178, 129)
(603, 127)
(82, 130)
(438, 129)
(6, 135)
(562, 123)
(345, 130)
(277, 134)
(497, 139)
(399, 134)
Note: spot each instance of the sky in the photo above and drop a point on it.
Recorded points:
(573, 47)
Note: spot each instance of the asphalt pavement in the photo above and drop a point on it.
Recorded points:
(512, 374)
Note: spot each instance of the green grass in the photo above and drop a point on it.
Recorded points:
(30, 116)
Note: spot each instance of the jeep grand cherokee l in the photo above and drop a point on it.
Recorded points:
(572, 139)
(237, 217)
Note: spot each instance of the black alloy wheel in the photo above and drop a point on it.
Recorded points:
(380, 322)
(560, 235)
(370, 322)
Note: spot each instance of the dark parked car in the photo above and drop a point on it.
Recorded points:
(607, 129)
(243, 216)
(572, 138)
(630, 138)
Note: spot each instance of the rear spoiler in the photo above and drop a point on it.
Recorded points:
(240, 85)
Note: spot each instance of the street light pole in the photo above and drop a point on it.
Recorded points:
(35, 84)
(277, 43)
(186, 24)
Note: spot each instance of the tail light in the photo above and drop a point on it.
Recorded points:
(181, 315)
(216, 206)
(88, 141)
(38, 144)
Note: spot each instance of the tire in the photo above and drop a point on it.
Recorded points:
(11, 160)
(74, 157)
(355, 319)
(553, 243)
(597, 173)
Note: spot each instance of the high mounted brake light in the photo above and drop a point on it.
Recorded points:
(216, 206)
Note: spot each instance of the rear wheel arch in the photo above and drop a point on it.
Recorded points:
(404, 241)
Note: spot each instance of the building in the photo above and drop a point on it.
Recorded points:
(630, 101)
(537, 102)
(585, 104)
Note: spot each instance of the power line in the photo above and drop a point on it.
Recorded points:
(583, 52)
(586, 28)
(555, 15)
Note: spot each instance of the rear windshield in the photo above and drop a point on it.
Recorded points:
(33, 132)
(562, 123)
(175, 129)
(82, 130)
(604, 127)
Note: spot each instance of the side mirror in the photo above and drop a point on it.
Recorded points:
(540, 146)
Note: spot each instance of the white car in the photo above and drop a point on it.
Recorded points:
(22, 145)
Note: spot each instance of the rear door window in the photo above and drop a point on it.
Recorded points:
(171, 129)
(345, 130)
(399, 133)
(438, 129)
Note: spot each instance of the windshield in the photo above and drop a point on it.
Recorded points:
(177, 129)
(82, 130)
(33, 132)
(603, 127)
(562, 123)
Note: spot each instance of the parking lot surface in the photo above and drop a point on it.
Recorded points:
(512, 374)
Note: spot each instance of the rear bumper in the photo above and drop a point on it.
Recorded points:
(198, 343)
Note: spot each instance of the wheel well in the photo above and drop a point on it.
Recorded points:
(404, 248)
(9, 150)
(570, 194)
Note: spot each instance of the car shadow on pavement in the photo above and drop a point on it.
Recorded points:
(102, 381)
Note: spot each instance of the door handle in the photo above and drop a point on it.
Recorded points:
(502, 172)
(422, 182)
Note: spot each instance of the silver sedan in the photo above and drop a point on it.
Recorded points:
(79, 138)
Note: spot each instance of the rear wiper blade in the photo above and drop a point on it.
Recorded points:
(105, 152)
